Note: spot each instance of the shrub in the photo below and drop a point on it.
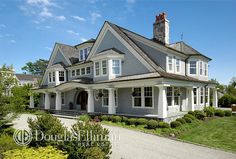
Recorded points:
(189, 116)
(104, 118)
(181, 120)
(7, 143)
(187, 119)
(76, 149)
(142, 121)
(175, 124)
(41, 152)
(162, 124)
(84, 118)
(9, 131)
(191, 112)
(47, 124)
(93, 153)
(220, 113)
(152, 124)
(226, 100)
(228, 113)
(124, 119)
(210, 111)
(96, 119)
(116, 119)
(132, 121)
(200, 115)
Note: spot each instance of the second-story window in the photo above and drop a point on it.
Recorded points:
(73, 73)
(116, 67)
(206, 69)
(193, 67)
(88, 70)
(97, 69)
(170, 63)
(53, 77)
(104, 67)
(81, 55)
(61, 76)
(50, 77)
(177, 65)
(201, 69)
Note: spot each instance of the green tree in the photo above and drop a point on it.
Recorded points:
(36, 68)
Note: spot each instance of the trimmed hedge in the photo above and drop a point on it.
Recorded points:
(227, 100)
(200, 115)
(187, 119)
(175, 124)
(124, 119)
(210, 111)
(104, 118)
(228, 112)
(220, 113)
(142, 121)
(181, 120)
(191, 113)
(189, 116)
(116, 119)
(152, 124)
(162, 124)
(132, 121)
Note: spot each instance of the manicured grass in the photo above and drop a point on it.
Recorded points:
(217, 132)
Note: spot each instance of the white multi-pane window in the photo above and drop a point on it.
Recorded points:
(83, 53)
(97, 68)
(61, 76)
(201, 68)
(50, 77)
(201, 95)
(177, 65)
(143, 97)
(63, 98)
(72, 73)
(137, 97)
(206, 69)
(195, 95)
(82, 71)
(104, 67)
(53, 77)
(170, 63)
(206, 95)
(192, 67)
(105, 97)
(78, 72)
(88, 70)
(116, 67)
(169, 95)
(176, 96)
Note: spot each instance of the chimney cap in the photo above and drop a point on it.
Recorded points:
(161, 16)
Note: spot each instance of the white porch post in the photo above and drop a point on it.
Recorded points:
(162, 102)
(31, 101)
(111, 101)
(58, 100)
(215, 97)
(90, 101)
(190, 99)
(47, 100)
(57, 78)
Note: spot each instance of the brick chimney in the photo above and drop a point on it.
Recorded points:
(161, 29)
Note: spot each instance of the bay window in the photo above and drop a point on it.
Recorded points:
(206, 95)
(88, 70)
(201, 69)
(201, 95)
(61, 76)
(82, 71)
(97, 68)
(170, 63)
(206, 69)
(116, 67)
(143, 97)
(177, 65)
(104, 67)
(78, 72)
(73, 73)
(50, 77)
(193, 67)
(53, 77)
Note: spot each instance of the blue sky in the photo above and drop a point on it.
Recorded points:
(30, 28)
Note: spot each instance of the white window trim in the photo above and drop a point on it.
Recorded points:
(95, 75)
(176, 65)
(116, 90)
(72, 73)
(60, 76)
(143, 98)
(52, 73)
(119, 67)
(86, 73)
(101, 68)
(189, 73)
(79, 72)
(168, 68)
(206, 69)
(200, 90)
(201, 63)
(173, 98)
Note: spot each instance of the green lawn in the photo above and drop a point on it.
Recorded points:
(218, 132)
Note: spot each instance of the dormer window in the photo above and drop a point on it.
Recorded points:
(177, 65)
(83, 53)
(170, 63)
(116, 67)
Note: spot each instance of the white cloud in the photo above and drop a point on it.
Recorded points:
(3, 26)
(41, 2)
(79, 18)
(45, 13)
(95, 16)
(60, 18)
(12, 41)
(48, 48)
(72, 32)
(83, 39)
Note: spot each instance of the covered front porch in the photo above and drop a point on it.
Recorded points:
(154, 98)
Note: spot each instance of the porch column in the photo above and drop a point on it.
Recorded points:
(31, 101)
(90, 101)
(47, 100)
(215, 97)
(111, 101)
(190, 99)
(58, 100)
(162, 102)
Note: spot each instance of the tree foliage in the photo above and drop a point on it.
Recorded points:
(36, 68)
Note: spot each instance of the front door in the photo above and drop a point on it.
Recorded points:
(82, 100)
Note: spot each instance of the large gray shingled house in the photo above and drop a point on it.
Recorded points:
(122, 72)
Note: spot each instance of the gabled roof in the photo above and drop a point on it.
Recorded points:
(186, 49)
(88, 41)
(26, 77)
(68, 51)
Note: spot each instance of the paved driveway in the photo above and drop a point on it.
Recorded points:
(138, 145)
